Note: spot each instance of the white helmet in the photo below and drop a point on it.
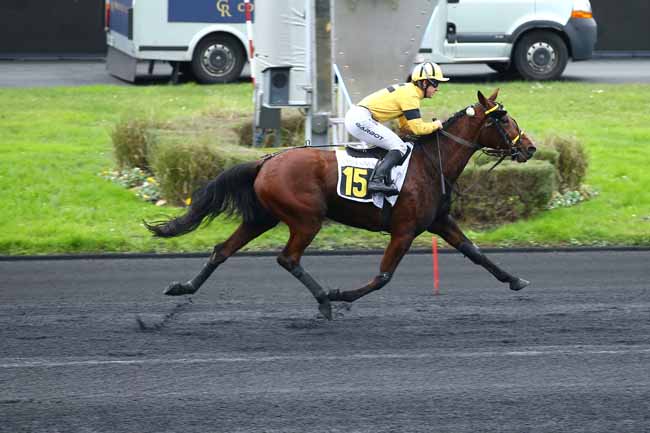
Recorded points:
(427, 71)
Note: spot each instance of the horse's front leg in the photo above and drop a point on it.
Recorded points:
(447, 228)
(398, 246)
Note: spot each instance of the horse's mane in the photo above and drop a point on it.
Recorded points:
(451, 120)
(445, 125)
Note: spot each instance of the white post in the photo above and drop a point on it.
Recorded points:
(249, 31)
(309, 20)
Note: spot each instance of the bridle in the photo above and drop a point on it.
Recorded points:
(493, 117)
(513, 150)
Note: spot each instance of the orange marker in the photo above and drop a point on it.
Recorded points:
(436, 279)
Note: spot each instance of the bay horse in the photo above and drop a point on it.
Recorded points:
(299, 187)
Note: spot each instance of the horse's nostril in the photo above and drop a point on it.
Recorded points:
(531, 150)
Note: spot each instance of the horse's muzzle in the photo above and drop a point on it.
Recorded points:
(530, 151)
(524, 154)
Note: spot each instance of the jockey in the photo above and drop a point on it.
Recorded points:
(363, 121)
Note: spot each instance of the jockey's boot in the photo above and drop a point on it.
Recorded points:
(381, 182)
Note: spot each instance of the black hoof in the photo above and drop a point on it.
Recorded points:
(325, 309)
(518, 284)
(178, 289)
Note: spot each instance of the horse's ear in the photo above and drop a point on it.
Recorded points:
(481, 99)
(493, 97)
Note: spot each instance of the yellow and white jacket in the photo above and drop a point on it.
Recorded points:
(402, 102)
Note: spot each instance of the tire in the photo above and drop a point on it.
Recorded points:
(218, 59)
(541, 55)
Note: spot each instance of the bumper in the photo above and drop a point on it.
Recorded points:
(121, 64)
(582, 33)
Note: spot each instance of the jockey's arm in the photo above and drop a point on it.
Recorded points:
(416, 125)
(412, 119)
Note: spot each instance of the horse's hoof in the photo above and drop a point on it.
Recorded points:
(178, 289)
(518, 284)
(325, 309)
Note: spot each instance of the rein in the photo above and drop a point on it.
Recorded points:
(513, 151)
(304, 146)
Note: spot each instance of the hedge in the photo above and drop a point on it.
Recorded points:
(509, 192)
(132, 140)
(181, 167)
(183, 161)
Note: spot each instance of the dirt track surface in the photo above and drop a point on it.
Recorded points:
(93, 346)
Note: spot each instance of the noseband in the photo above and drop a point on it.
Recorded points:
(493, 118)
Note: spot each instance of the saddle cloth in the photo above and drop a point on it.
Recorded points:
(354, 174)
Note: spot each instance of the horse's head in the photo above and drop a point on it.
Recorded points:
(499, 132)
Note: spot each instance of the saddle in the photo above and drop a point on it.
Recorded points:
(375, 152)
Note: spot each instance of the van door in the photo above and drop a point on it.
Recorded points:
(482, 27)
(434, 45)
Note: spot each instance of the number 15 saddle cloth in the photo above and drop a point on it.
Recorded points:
(354, 174)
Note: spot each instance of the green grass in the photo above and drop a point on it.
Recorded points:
(54, 142)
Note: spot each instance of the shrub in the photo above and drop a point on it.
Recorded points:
(180, 168)
(292, 133)
(508, 192)
(132, 142)
(572, 162)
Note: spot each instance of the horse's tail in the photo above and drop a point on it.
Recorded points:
(230, 193)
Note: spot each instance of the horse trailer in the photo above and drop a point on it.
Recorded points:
(203, 38)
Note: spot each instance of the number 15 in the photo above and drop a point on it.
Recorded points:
(355, 182)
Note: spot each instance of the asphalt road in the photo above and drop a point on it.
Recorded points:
(93, 346)
(75, 73)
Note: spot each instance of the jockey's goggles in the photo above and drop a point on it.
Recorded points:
(434, 83)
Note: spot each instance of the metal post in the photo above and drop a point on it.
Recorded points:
(309, 48)
(321, 70)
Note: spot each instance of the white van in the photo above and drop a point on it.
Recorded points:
(534, 38)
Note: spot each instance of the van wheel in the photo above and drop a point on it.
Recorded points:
(218, 59)
(541, 55)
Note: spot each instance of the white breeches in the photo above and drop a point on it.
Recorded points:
(360, 124)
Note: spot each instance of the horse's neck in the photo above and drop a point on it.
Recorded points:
(455, 156)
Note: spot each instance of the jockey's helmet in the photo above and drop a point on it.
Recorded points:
(427, 71)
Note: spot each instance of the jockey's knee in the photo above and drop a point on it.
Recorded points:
(399, 146)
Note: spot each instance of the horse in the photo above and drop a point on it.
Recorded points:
(299, 187)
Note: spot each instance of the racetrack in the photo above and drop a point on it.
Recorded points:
(93, 346)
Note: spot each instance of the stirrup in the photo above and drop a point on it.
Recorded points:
(382, 188)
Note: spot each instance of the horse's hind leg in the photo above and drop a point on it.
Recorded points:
(299, 239)
(398, 246)
(450, 232)
(243, 235)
